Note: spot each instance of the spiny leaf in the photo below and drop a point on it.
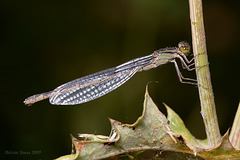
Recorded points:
(151, 134)
(235, 131)
(178, 127)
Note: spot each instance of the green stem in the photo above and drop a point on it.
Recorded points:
(208, 110)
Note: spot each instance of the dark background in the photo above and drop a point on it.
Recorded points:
(44, 44)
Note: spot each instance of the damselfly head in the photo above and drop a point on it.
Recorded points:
(184, 47)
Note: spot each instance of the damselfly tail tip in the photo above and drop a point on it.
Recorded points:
(29, 101)
(35, 98)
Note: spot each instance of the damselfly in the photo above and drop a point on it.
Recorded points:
(98, 84)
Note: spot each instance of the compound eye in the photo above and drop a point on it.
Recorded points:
(185, 47)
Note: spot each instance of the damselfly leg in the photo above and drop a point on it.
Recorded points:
(186, 65)
(180, 76)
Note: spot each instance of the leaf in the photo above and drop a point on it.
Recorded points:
(235, 131)
(178, 127)
(147, 138)
(223, 151)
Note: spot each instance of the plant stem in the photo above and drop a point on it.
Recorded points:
(208, 110)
